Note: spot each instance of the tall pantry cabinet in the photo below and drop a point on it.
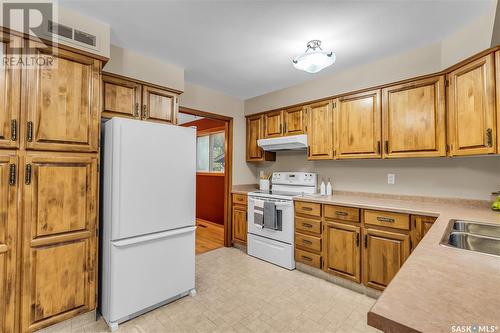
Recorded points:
(49, 143)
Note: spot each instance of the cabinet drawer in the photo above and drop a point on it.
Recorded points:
(308, 208)
(342, 213)
(387, 219)
(239, 199)
(308, 242)
(308, 258)
(308, 225)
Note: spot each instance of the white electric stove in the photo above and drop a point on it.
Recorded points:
(277, 246)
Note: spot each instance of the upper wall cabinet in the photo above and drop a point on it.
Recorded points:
(159, 105)
(414, 121)
(471, 108)
(294, 121)
(357, 126)
(273, 124)
(255, 127)
(10, 92)
(62, 110)
(320, 131)
(497, 80)
(121, 98)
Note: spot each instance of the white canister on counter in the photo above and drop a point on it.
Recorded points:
(264, 184)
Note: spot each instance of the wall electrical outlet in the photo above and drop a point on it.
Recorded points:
(391, 178)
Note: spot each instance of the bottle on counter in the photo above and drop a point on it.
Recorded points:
(322, 188)
(329, 188)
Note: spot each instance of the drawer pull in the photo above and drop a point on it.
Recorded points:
(305, 241)
(307, 209)
(341, 213)
(385, 219)
(307, 225)
(306, 258)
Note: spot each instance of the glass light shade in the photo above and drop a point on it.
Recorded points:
(314, 60)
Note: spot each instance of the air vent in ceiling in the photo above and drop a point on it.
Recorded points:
(60, 29)
(85, 38)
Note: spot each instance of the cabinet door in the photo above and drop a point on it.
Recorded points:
(121, 98)
(8, 237)
(294, 121)
(357, 126)
(273, 124)
(471, 108)
(159, 105)
(240, 223)
(59, 238)
(320, 131)
(10, 97)
(383, 255)
(62, 111)
(420, 226)
(414, 119)
(342, 250)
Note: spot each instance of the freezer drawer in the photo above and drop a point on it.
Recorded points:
(144, 271)
(275, 252)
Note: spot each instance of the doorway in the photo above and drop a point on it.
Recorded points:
(213, 176)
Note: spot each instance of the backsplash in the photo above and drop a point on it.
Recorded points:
(462, 177)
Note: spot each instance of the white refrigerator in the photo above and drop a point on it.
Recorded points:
(148, 245)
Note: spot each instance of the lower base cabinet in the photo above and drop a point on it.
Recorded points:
(383, 255)
(239, 219)
(59, 238)
(342, 253)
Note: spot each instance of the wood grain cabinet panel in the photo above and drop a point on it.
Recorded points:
(62, 111)
(414, 123)
(10, 97)
(255, 132)
(342, 253)
(8, 236)
(320, 131)
(121, 98)
(273, 124)
(159, 105)
(471, 108)
(420, 226)
(383, 255)
(59, 238)
(357, 125)
(239, 218)
(294, 121)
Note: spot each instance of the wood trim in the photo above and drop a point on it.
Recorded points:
(204, 114)
(213, 130)
(144, 83)
(211, 174)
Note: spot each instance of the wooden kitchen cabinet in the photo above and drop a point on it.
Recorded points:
(159, 105)
(420, 226)
(358, 126)
(59, 238)
(8, 238)
(273, 124)
(308, 234)
(63, 100)
(471, 108)
(239, 218)
(384, 252)
(414, 119)
(121, 98)
(255, 128)
(320, 131)
(294, 121)
(10, 97)
(342, 252)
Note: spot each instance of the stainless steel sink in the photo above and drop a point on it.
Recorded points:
(473, 236)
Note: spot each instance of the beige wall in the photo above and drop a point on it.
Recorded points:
(204, 99)
(445, 177)
(138, 66)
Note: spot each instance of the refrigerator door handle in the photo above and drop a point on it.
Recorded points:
(147, 238)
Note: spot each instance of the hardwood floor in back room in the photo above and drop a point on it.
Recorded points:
(209, 236)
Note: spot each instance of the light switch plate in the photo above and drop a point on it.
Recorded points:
(391, 178)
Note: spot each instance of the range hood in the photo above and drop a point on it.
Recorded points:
(293, 142)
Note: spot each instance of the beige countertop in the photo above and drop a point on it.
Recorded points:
(438, 287)
(244, 189)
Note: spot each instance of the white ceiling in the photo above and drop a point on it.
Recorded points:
(245, 48)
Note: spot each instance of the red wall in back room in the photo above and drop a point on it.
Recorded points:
(209, 188)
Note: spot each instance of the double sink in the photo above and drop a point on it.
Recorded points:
(473, 236)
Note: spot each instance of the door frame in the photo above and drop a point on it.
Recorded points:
(228, 168)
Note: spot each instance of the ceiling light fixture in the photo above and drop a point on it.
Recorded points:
(314, 59)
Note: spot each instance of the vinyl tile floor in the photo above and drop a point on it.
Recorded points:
(239, 293)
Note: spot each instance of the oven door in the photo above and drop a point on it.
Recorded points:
(287, 222)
